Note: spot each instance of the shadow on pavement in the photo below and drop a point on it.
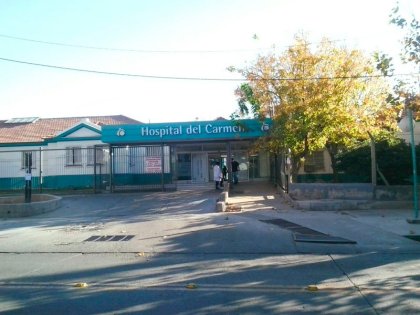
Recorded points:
(238, 265)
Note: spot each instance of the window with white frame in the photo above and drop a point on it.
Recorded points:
(73, 156)
(28, 159)
(91, 152)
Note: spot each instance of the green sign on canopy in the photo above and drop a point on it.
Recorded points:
(185, 131)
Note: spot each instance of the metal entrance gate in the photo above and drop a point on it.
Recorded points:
(101, 175)
(140, 167)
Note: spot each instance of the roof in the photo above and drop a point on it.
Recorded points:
(40, 129)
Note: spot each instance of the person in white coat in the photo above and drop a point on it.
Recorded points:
(217, 174)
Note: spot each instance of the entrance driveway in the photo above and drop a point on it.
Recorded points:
(171, 253)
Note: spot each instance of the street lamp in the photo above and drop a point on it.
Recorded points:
(410, 127)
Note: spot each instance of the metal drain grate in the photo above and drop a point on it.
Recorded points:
(413, 237)
(304, 234)
(295, 228)
(109, 238)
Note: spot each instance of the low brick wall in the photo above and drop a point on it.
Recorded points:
(399, 193)
(15, 206)
(331, 191)
(316, 191)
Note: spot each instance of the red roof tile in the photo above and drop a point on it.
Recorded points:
(41, 129)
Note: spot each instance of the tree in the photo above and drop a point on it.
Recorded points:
(411, 39)
(406, 91)
(329, 98)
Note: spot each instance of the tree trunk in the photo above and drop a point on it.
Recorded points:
(296, 163)
(332, 150)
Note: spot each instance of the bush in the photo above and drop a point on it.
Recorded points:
(393, 160)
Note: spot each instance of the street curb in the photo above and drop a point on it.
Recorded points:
(17, 208)
(287, 198)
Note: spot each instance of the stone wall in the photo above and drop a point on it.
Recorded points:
(353, 191)
(303, 191)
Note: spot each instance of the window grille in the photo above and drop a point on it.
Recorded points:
(91, 156)
(28, 159)
(153, 151)
(73, 156)
(314, 162)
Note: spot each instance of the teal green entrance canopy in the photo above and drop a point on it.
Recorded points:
(185, 131)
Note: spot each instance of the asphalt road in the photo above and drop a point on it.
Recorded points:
(171, 253)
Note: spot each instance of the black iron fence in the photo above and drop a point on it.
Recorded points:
(278, 171)
(96, 168)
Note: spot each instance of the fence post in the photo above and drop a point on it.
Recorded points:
(28, 178)
(162, 168)
(94, 169)
(229, 167)
(111, 168)
(40, 169)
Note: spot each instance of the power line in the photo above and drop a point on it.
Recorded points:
(119, 73)
(205, 79)
(131, 50)
(151, 51)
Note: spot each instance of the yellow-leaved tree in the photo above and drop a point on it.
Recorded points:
(329, 98)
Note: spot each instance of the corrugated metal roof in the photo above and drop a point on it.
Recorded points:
(41, 129)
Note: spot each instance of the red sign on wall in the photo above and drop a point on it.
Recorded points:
(153, 164)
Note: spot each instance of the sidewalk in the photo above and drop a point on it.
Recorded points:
(383, 229)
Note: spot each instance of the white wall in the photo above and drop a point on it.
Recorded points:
(11, 161)
(405, 131)
(53, 159)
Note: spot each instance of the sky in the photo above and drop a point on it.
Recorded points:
(161, 53)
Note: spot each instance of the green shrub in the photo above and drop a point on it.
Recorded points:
(393, 160)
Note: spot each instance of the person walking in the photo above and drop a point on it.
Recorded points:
(235, 169)
(217, 174)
